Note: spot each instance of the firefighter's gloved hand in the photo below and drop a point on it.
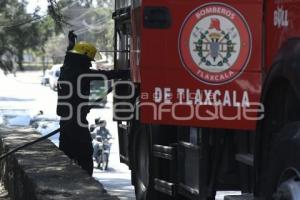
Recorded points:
(72, 36)
(72, 39)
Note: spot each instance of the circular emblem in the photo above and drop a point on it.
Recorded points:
(215, 43)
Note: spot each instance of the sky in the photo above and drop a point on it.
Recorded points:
(32, 4)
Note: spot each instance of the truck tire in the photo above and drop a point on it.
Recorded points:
(142, 163)
(277, 138)
(275, 135)
(283, 155)
(281, 100)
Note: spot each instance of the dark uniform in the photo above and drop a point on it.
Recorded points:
(75, 140)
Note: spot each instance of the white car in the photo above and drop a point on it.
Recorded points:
(54, 75)
(45, 78)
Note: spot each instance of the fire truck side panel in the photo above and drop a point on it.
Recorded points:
(167, 78)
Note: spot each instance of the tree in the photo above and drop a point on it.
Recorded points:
(6, 50)
(21, 31)
(32, 35)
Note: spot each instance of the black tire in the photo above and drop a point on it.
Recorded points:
(142, 164)
(141, 139)
(275, 140)
(105, 161)
(143, 167)
(98, 160)
(284, 154)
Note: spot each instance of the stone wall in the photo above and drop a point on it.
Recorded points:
(43, 172)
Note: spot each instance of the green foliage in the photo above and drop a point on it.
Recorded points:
(19, 31)
(54, 11)
(47, 35)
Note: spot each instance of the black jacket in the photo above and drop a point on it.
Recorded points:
(74, 66)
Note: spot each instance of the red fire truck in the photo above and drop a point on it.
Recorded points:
(214, 99)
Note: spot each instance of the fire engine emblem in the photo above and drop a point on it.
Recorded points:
(215, 43)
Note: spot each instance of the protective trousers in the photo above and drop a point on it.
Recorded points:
(76, 143)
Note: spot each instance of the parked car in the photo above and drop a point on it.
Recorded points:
(54, 75)
(45, 78)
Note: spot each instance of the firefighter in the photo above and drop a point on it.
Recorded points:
(75, 139)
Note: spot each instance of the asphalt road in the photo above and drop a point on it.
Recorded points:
(117, 179)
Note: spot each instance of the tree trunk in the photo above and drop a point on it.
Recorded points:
(44, 64)
(20, 60)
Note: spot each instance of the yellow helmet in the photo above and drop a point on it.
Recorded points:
(84, 48)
